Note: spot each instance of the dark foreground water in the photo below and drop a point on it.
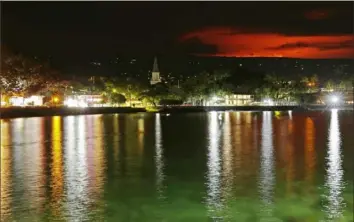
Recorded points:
(217, 166)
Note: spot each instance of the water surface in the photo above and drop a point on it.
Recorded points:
(217, 166)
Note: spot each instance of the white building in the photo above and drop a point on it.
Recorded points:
(238, 99)
(155, 75)
(28, 101)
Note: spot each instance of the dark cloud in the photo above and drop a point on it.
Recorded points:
(319, 14)
(320, 46)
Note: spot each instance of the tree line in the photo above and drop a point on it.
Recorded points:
(24, 76)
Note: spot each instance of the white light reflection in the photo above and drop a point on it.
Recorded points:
(334, 180)
(159, 163)
(214, 167)
(76, 169)
(32, 163)
(227, 153)
(267, 166)
(290, 113)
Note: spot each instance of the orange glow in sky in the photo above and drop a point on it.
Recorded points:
(233, 43)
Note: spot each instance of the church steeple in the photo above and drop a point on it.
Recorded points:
(155, 75)
(155, 68)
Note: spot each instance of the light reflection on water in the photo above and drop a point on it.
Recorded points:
(266, 183)
(214, 167)
(5, 171)
(334, 177)
(75, 168)
(159, 162)
(76, 175)
(56, 183)
(310, 158)
(227, 167)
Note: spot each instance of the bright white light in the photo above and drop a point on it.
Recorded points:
(268, 102)
(36, 100)
(290, 112)
(17, 101)
(82, 104)
(334, 99)
(74, 103)
(70, 102)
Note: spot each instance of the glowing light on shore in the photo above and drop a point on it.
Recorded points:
(75, 103)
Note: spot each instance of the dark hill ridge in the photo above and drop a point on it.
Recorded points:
(177, 65)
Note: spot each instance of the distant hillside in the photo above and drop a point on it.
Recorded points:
(140, 66)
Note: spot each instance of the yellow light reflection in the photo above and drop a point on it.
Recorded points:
(141, 134)
(6, 169)
(246, 151)
(227, 156)
(99, 153)
(310, 160)
(5, 136)
(116, 137)
(334, 180)
(214, 168)
(281, 131)
(267, 166)
(255, 130)
(290, 170)
(227, 152)
(159, 159)
(57, 166)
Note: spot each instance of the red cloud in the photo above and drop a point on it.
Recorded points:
(237, 43)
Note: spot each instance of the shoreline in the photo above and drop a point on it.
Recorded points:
(23, 112)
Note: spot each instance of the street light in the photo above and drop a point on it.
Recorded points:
(334, 99)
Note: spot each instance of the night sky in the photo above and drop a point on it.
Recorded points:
(69, 31)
